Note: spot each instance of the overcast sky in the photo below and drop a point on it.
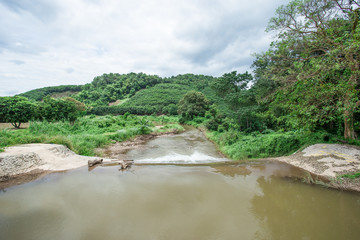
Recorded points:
(61, 42)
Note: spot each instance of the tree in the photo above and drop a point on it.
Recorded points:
(318, 50)
(60, 109)
(234, 89)
(16, 110)
(193, 104)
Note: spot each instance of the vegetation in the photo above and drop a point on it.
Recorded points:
(88, 133)
(237, 145)
(304, 89)
(315, 62)
(16, 110)
(193, 104)
(67, 109)
(111, 87)
(160, 99)
(351, 176)
(40, 93)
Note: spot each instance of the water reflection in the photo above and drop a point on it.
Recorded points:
(227, 200)
(218, 201)
(292, 210)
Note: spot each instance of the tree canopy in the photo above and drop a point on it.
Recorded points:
(315, 60)
(193, 104)
(16, 110)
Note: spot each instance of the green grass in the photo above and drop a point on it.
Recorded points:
(237, 145)
(87, 133)
(351, 176)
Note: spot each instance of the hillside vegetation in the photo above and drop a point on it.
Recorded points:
(304, 89)
(57, 91)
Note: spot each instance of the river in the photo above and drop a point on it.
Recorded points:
(180, 188)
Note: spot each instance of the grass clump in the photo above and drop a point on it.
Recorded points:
(87, 133)
(351, 176)
(238, 145)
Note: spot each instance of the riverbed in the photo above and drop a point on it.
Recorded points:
(179, 188)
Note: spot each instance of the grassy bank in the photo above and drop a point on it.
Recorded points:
(90, 132)
(238, 145)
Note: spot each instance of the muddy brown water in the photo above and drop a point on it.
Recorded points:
(201, 198)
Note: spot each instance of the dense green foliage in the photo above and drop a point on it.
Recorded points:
(316, 63)
(111, 87)
(160, 99)
(67, 109)
(40, 93)
(88, 133)
(241, 100)
(239, 146)
(16, 110)
(193, 104)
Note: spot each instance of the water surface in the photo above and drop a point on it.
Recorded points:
(217, 200)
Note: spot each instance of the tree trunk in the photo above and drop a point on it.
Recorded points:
(349, 132)
(16, 125)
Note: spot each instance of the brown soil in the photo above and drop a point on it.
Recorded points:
(9, 126)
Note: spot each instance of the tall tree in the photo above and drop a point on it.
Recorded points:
(233, 88)
(193, 104)
(318, 46)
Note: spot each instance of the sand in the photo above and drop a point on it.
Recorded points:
(329, 161)
(42, 157)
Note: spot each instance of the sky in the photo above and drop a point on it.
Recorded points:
(64, 42)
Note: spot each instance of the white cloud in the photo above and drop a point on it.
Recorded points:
(71, 42)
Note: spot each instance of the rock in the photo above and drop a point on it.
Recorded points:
(126, 164)
(14, 164)
(92, 163)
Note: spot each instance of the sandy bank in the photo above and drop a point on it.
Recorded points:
(27, 158)
(329, 161)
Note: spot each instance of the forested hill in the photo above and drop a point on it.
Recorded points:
(57, 91)
(114, 87)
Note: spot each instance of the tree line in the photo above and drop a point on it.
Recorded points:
(17, 110)
(308, 78)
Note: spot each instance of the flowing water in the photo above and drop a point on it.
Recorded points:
(215, 200)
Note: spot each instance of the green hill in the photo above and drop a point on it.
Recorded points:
(136, 93)
(162, 98)
(57, 91)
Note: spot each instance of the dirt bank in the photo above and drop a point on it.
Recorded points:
(30, 160)
(329, 161)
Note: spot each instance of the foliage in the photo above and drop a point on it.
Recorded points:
(67, 109)
(16, 110)
(241, 100)
(40, 93)
(193, 104)
(316, 62)
(113, 86)
(160, 99)
(351, 176)
(87, 133)
(238, 146)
